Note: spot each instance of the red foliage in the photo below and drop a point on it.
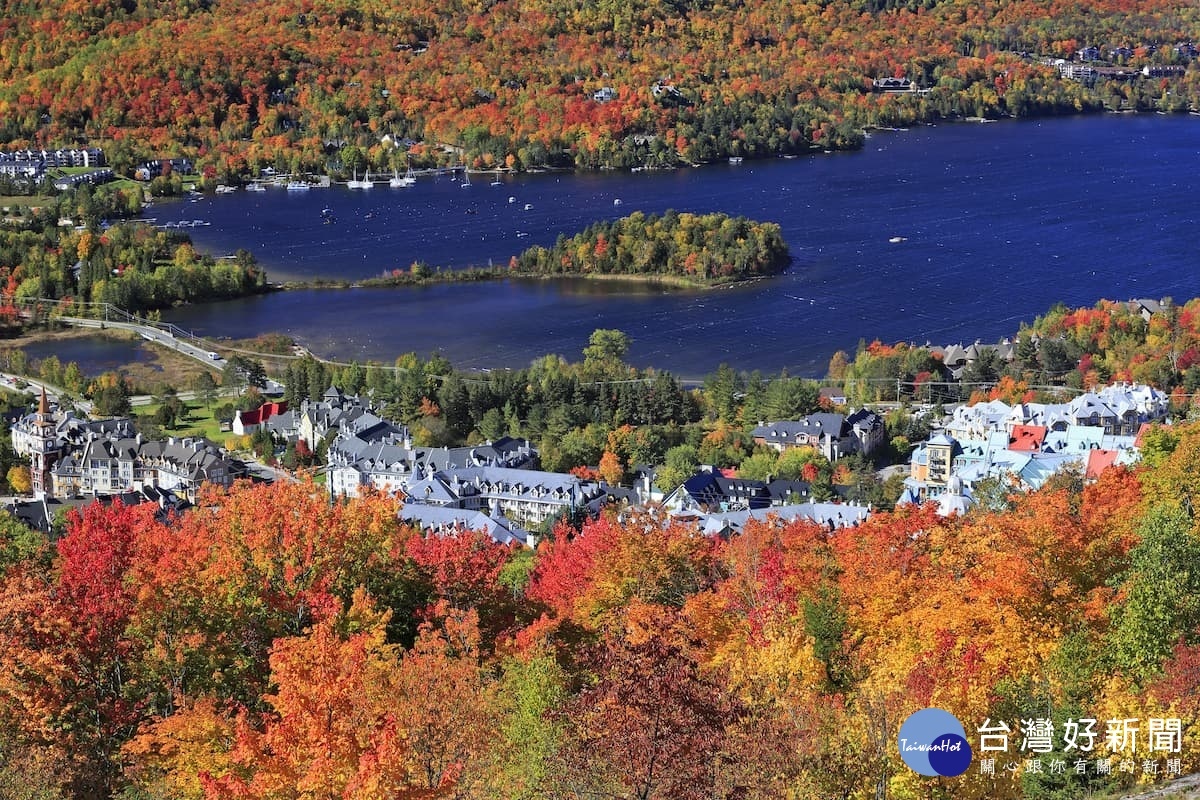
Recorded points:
(94, 558)
(584, 473)
(564, 566)
(1180, 682)
(463, 566)
(652, 724)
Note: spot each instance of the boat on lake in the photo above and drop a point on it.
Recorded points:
(365, 183)
(255, 187)
(297, 186)
(399, 181)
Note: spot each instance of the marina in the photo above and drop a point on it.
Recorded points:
(990, 242)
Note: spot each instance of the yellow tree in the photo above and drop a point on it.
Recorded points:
(169, 756)
(19, 479)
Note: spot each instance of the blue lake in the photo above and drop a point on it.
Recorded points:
(93, 354)
(999, 221)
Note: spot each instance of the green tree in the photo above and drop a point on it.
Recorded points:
(205, 387)
(825, 621)
(759, 466)
(681, 463)
(73, 379)
(721, 390)
(491, 425)
(1162, 589)
(529, 691)
(789, 398)
(240, 372)
(51, 370)
(110, 395)
(605, 351)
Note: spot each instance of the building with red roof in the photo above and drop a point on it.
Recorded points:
(247, 422)
(1027, 438)
(1100, 460)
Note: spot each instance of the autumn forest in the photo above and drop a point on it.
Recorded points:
(272, 645)
(323, 85)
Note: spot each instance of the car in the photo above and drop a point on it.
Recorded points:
(214, 356)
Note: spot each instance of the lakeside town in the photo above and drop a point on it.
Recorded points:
(953, 454)
(497, 487)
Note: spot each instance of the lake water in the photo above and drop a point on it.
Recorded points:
(93, 354)
(999, 221)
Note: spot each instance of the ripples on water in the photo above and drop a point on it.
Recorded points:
(998, 223)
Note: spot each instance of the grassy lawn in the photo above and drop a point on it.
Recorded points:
(23, 200)
(125, 184)
(199, 421)
(167, 367)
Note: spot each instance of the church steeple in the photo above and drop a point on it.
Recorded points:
(45, 449)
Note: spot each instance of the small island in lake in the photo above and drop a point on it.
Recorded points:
(684, 249)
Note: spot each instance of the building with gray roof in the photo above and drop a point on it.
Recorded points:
(106, 465)
(829, 434)
(529, 497)
(444, 521)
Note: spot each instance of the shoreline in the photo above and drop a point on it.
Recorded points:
(485, 274)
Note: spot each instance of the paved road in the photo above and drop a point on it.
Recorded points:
(194, 349)
(35, 386)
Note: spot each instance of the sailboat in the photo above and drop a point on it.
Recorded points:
(497, 181)
(466, 182)
(357, 184)
(399, 181)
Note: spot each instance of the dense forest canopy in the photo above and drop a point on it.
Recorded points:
(706, 248)
(275, 645)
(133, 266)
(318, 85)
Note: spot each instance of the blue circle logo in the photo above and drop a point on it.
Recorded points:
(934, 743)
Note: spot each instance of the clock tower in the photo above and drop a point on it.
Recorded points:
(45, 449)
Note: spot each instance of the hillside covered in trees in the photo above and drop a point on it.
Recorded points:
(318, 85)
(277, 646)
(1079, 348)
